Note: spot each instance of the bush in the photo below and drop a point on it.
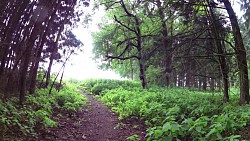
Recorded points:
(71, 99)
(37, 110)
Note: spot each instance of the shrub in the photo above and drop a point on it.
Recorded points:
(37, 110)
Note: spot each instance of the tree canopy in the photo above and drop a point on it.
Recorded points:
(175, 43)
(32, 32)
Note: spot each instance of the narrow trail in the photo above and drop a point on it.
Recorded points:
(94, 123)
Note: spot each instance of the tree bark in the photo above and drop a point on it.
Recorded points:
(26, 60)
(14, 19)
(241, 54)
(140, 55)
(40, 49)
(55, 49)
(204, 83)
(166, 43)
(220, 48)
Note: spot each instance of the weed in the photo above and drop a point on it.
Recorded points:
(134, 137)
(37, 110)
(174, 113)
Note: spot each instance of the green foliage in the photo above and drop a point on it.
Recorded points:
(96, 86)
(176, 114)
(154, 75)
(37, 110)
(134, 137)
(71, 99)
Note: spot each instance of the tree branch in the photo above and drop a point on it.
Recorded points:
(206, 56)
(125, 9)
(127, 46)
(221, 40)
(115, 18)
(127, 39)
(122, 58)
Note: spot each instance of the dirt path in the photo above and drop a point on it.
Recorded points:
(94, 123)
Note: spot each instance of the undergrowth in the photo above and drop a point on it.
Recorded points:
(37, 111)
(173, 113)
(95, 86)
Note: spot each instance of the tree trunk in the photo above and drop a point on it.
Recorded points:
(7, 40)
(26, 60)
(142, 75)
(141, 61)
(166, 43)
(204, 83)
(55, 49)
(60, 84)
(212, 85)
(40, 49)
(131, 70)
(188, 74)
(220, 48)
(241, 54)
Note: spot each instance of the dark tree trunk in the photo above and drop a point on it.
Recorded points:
(219, 34)
(204, 83)
(140, 56)
(219, 84)
(55, 49)
(166, 43)
(200, 82)
(40, 49)
(188, 74)
(212, 85)
(131, 70)
(240, 54)
(60, 84)
(14, 18)
(142, 75)
(27, 57)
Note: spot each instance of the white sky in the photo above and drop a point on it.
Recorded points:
(83, 67)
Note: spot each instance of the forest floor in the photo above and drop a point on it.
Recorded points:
(94, 123)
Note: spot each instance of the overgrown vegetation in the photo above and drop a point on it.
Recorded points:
(174, 113)
(37, 110)
(95, 86)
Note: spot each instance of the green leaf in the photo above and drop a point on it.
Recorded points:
(175, 127)
(169, 138)
(158, 133)
(198, 128)
(211, 132)
(166, 126)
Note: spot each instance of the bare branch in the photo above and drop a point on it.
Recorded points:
(206, 56)
(221, 40)
(122, 58)
(127, 39)
(125, 9)
(126, 48)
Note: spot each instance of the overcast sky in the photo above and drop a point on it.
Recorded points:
(82, 66)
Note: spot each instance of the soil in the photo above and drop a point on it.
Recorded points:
(94, 123)
(245, 133)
